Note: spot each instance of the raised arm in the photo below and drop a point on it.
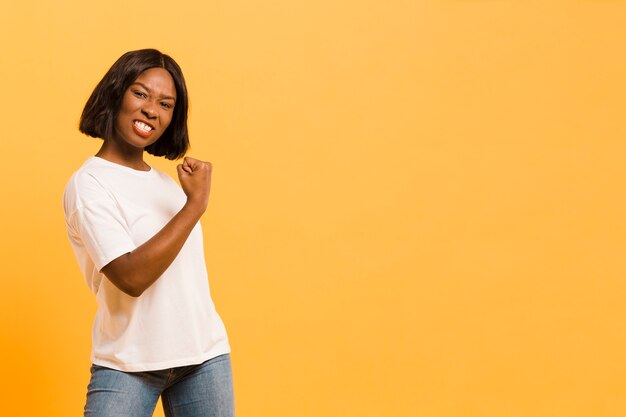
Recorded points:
(135, 271)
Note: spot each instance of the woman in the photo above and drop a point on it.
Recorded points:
(137, 238)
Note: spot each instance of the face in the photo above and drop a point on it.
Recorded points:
(146, 111)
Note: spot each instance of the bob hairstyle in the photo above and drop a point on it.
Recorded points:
(100, 112)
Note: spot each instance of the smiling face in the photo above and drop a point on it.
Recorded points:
(146, 111)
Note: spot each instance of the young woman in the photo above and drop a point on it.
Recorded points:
(137, 238)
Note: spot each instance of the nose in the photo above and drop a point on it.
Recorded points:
(148, 109)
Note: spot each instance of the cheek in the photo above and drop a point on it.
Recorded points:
(124, 111)
(119, 119)
(166, 120)
(130, 104)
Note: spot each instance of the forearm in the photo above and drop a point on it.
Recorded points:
(135, 271)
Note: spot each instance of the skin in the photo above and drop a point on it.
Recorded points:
(151, 100)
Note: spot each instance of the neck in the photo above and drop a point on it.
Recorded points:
(132, 157)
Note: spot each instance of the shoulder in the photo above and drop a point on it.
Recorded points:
(85, 184)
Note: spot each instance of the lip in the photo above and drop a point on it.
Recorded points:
(141, 132)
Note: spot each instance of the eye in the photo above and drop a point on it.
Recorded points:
(138, 93)
(166, 105)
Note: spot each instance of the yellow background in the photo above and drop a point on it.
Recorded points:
(417, 208)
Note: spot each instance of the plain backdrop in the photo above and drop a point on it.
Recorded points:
(417, 206)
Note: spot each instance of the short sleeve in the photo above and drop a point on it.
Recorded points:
(96, 225)
(103, 231)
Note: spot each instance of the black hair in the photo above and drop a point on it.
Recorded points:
(100, 112)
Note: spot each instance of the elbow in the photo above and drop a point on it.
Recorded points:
(133, 292)
(128, 288)
(124, 277)
(125, 284)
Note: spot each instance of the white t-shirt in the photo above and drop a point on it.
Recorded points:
(110, 210)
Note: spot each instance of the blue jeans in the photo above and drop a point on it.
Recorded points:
(204, 390)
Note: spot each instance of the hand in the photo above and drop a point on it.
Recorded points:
(195, 179)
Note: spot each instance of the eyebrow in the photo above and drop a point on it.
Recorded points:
(150, 91)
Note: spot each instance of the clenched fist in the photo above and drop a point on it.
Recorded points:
(195, 179)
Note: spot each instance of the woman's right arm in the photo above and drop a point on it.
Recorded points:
(135, 271)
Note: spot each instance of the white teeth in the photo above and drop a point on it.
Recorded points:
(143, 126)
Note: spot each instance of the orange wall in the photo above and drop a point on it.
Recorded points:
(417, 206)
